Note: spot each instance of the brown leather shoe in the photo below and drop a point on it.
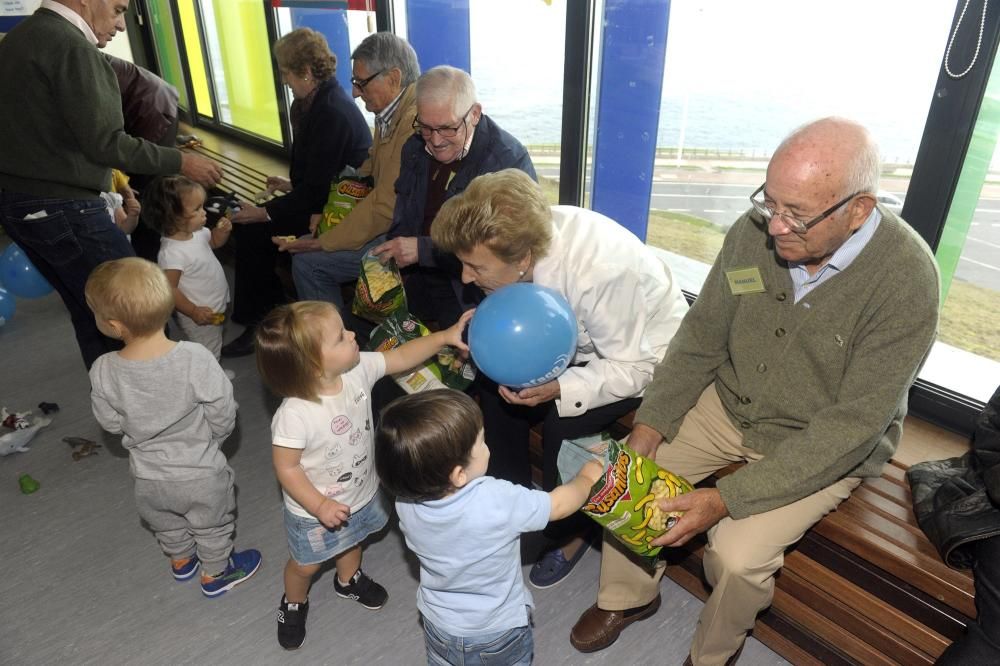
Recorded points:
(597, 629)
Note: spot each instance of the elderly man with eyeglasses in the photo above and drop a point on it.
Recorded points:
(454, 142)
(795, 359)
(385, 72)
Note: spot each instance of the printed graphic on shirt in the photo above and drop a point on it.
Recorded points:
(340, 425)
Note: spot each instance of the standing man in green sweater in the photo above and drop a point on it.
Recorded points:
(795, 359)
(62, 132)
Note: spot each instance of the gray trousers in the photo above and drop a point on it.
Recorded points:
(189, 517)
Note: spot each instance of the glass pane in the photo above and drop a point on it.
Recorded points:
(723, 111)
(522, 90)
(966, 357)
(240, 55)
(196, 62)
(165, 45)
(343, 30)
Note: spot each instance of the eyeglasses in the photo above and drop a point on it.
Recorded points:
(444, 132)
(795, 224)
(361, 83)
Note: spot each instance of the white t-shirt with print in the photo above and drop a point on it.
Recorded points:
(336, 436)
(202, 281)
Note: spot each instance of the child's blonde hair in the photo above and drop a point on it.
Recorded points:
(133, 291)
(289, 348)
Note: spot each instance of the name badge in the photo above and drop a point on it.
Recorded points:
(745, 281)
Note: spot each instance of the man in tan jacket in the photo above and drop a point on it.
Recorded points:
(385, 73)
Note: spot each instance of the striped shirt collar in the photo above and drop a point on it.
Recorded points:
(841, 259)
(72, 17)
(383, 119)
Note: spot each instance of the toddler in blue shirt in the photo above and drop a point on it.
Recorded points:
(464, 526)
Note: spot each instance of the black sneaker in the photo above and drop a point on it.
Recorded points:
(362, 589)
(292, 624)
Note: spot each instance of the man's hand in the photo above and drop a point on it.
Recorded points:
(200, 169)
(403, 250)
(296, 245)
(644, 440)
(249, 214)
(532, 396)
(314, 221)
(702, 509)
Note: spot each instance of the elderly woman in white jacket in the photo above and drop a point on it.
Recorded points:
(627, 308)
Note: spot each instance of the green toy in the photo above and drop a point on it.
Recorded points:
(28, 484)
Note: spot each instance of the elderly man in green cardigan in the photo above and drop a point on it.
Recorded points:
(796, 359)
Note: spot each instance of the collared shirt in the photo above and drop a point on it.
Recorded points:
(383, 119)
(841, 259)
(72, 17)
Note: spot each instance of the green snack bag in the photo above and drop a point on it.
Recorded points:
(345, 193)
(624, 500)
(379, 291)
(447, 369)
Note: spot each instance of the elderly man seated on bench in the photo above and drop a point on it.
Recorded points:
(796, 359)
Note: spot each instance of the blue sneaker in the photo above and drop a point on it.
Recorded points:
(553, 568)
(241, 567)
(186, 568)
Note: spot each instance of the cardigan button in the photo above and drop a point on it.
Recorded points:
(762, 367)
(781, 296)
(780, 332)
(745, 425)
(745, 400)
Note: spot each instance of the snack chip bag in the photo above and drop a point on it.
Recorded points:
(447, 370)
(345, 193)
(379, 291)
(624, 500)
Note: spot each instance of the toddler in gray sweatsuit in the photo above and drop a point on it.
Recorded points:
(173, 406)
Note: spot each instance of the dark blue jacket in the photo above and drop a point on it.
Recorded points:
(332, 135)
(492, 150)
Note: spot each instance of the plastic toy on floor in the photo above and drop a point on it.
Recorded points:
(17, 440)
(88, 447)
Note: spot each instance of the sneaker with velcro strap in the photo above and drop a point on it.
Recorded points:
(362, 589)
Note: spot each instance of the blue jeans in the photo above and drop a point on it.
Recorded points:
(318, 275)
(65, 246)
(512, 647)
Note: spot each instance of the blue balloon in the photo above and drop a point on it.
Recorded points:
(523, 335)
(6, 306)
(20, 276)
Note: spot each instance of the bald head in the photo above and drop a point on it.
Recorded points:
(834, 154)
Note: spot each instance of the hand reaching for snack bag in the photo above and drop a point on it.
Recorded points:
(701, 508)
(404, 250)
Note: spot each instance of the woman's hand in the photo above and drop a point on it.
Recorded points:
(403, 250)
(279, 184)
(532, 396)
(249, 214)
(296, 245)
(332, 514)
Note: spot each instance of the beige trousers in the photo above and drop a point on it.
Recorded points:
(742, 556)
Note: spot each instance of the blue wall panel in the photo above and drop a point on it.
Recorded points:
(332, 23)
(438, 30)
(634, 44)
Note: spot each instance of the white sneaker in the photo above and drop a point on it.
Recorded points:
(229, 373)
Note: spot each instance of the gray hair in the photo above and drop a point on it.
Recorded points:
(445, 84)
(383, 51)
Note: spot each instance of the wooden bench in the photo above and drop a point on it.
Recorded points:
(864, 586)
(237, 178)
